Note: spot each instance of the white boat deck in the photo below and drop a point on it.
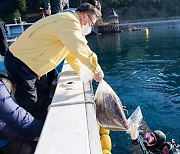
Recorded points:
(71, 125)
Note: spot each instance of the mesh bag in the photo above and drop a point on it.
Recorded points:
(109, 109)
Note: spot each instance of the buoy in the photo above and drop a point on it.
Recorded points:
(147, 31)
(106, 142)
(104, 131)
(106, 152)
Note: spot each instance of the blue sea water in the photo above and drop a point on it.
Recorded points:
(144, 71)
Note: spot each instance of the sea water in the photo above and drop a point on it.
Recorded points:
(144, 70)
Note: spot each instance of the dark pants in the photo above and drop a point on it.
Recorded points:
(58, 5)
(54, 73)
(31, 93)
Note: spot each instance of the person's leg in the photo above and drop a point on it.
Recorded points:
(43, 93)
(31, 93)
(50, 77)
(56, 6)
(24, 78)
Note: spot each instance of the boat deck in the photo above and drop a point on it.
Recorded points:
(71, 125)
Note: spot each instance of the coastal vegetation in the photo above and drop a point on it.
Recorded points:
(30, 11)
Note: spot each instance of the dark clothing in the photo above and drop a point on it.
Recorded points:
(54, 73)
(159, 149)
(140, 147)
(56, 5)
(19, 125)
(3, 41)
(31, 93)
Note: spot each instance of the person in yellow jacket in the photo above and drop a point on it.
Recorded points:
(43, 46)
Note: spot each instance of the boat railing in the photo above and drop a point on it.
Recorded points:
(71, 125)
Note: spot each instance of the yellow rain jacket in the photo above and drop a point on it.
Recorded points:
(48, 41)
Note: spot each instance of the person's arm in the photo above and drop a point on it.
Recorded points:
(16, 117)
(74, 62)
(72, 39)
(138, 146)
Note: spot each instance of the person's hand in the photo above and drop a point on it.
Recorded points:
(99, 76)
(48, 12)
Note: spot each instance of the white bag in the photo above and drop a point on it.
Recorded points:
(134, 122)
(109, 109)
(85, 73)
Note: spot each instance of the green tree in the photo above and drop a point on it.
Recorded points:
(16, 14)
(12, 8)
(172, 10)
(33, 6)
(21, 6)
(157, 4)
